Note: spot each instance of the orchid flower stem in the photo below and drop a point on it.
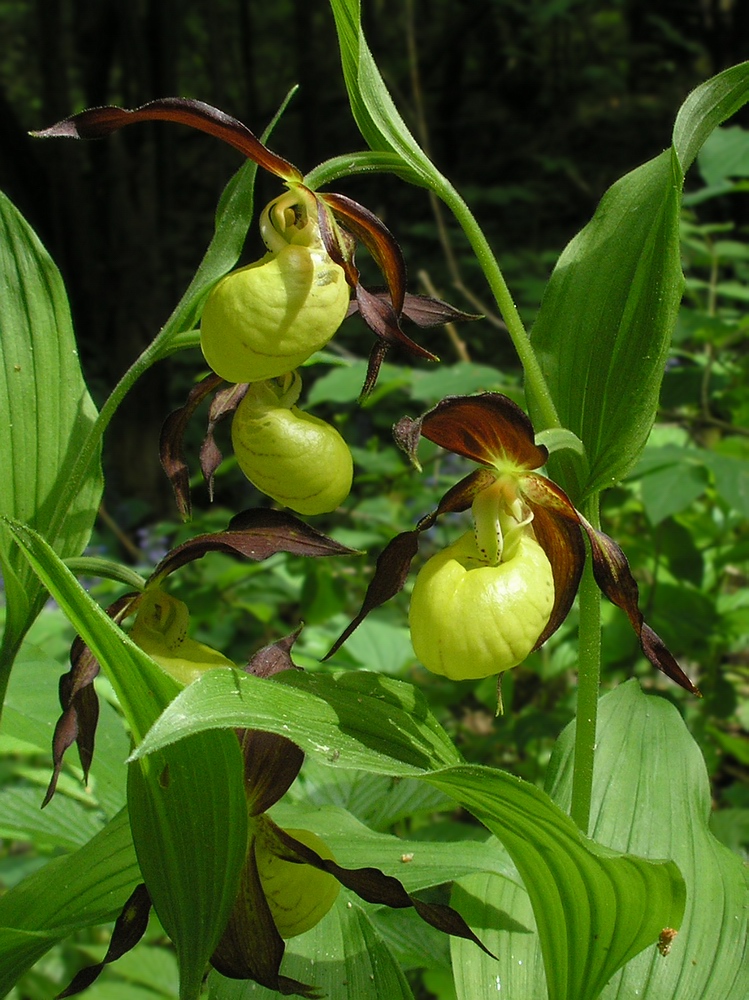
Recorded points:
(589, 674)
(534, 377)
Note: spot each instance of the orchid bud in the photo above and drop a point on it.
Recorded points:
(293, 457)
(298, 895)
(470, 618)
(266, 318)
(160, 629)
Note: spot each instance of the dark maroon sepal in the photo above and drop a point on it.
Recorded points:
(271, 766)
(171, 451)
(614, 577)
(382, 319)
(79, 703)
(253, 534)
(423, 310)
(556, 525)
(376, 357)
(426, 312)
(96, 123)
(129, 928)
(251, 947)
(377, 238)
(486, 428)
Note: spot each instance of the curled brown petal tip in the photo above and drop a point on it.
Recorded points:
(614, 577)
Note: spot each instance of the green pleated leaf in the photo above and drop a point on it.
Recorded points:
(343, 956)
(499, 911)
(595, 908)
(45, 413)
(604, 328)
(651, 795)
(189, 819)
(360, 720)
(83, 889)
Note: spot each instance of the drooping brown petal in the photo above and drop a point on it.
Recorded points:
(374, 886)
(172, 436)
(381, 312)
(271, 765)
(391, 570)
(557, 529)
(376, 357)
(407, 434)
(394, 562)
(253, 534)
(251, 947)
(223, 404)
(377, 238)
(79, 703)
(129, 928)
(486, 428)
(614, 577)
(96, 123)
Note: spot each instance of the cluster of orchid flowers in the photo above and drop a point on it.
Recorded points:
(477, 609)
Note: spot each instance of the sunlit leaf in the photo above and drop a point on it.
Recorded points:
(189, 820)
(604, 328)
(651, 796)
(45, 412)
(594, 908)
(358, 720)
(373, 109)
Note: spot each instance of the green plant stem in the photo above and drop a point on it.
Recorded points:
(534, 377)
(589, 674)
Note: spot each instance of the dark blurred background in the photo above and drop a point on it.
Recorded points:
(532, 110)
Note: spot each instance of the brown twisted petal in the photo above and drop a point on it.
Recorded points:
(171, 440)
(557, 529)
(375, 886)
(253, 534)
(377, 238)
(485, 428)
(79, 702)
(614, 577)
(129, 928)
(394, 562)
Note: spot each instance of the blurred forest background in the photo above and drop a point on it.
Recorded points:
(532, 110)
